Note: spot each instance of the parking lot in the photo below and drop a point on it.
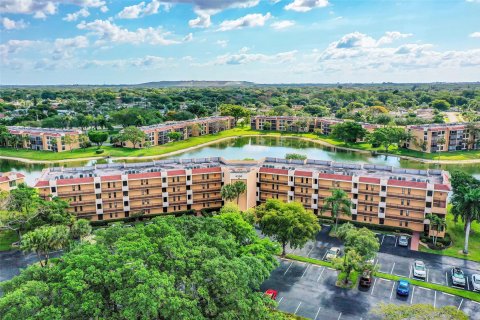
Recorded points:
(397, 260)
(309, 291)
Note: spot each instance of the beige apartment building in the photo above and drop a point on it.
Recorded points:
(10, 180)
(381, 195)
(444, 137)
(158, 134)
(56, 140)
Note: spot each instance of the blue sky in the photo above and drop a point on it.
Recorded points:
(265, 41)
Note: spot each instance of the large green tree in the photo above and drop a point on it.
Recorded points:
(348, 131)
(44, 240)
(388, 136)
(288, 223)
(175, 268)
(233, 191)
(466, 204)
(234, 111)
(98, 137)
(133, 135)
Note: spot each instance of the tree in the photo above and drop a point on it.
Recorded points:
(466, 204)
(348, 131)
(133, 135)
(98, 137)
(418, 312)
(233, 190)
(175, 268)
(174, 135)
(44, 240)
(295, 156)
(287, 223)
(70, 140)
(234, 111)
(83, 141)
(80, 229)
(441, 105)
(388, 136)
(338, 203)
(437, 224)
(267, 126)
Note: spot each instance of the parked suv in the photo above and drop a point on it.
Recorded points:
(458, 278)
(366, 279)
(419, 269)
(403, 241)
(332, 254)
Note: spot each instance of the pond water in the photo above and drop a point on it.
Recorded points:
(257, 148)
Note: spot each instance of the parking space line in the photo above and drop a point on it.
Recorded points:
(339, 316)
(446, 277)
(410, 274)
(308, 254)
(427, 274)
(316, 315)
(296, 310)
(435, 300)
(305, 271)
(279, 301)
(413, 293)
(396, 241)
(320, 274)
(383, 238)
(391, 292)
(373, 288)
(460, 305)
(288, 268)
(468, 286)
(323, 258)
(448, 294)
(391, 272)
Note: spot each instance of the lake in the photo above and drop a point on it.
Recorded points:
(257, 148)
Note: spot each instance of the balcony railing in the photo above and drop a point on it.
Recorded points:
(405, 207)
(404, 195)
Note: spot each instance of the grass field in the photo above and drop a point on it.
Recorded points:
(458, 238)
(196, 141)
(6, 239)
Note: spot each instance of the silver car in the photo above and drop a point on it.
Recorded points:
(419, 269)
(476, 282)
(403, 241)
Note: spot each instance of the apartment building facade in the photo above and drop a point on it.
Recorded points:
(444, 137)
(381, 195)
(56, 140)
(10, 180)
(159, 134)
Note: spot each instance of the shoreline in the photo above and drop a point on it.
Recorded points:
(318, 141)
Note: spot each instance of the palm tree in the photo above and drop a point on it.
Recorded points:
(338, 203)
(437, 224)
(228, 192)
(239, 188)
(466, 204)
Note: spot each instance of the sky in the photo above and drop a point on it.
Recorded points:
(263, 41)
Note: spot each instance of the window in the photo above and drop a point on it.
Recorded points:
(355, 185)
(401, 223)
(125, 183)
(406, 223)
(125, 193)
(384, 188)
(381, 221)
(54, 189)
(401, 212)
(429, 193)
(98, 196)
(125, 203)
(382, 199)
(99, 206)
(97, 185)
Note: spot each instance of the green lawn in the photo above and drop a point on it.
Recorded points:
(458, 236)
(195, 141)
(6, 239)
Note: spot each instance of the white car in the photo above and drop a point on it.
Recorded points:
(333, 253)
(476, 282)
(403, 241)
(419, 269)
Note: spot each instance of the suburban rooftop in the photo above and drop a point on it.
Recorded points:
(35, 130)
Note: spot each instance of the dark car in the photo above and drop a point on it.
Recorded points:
(366, 279)
(403, 288)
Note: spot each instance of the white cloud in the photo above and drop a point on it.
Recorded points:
(188, 37)
(64, 48)
(475, 35)
(306, 5)
(74, 16)
(250, 20)
(201, 21)
(222, 43)
(13, 47)
(104, 9)
(9, 24)
(391, 36)
(107, 31)
(282, 24)
(42, 8)
(142, 9)
(244, 57)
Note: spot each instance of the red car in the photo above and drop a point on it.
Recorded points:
(271, 293)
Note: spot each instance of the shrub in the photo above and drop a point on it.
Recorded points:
(99, 151)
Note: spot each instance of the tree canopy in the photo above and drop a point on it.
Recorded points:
(348, 131)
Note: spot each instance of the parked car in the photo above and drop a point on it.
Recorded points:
(476, 282)
(419, 269)
(458, 278)
(403, 241)
(333, 253)
(403, 288)
(271, 293)
(366, 279)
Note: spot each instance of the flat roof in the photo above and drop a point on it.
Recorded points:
(368, 173)
(179, 124)
(40, 131)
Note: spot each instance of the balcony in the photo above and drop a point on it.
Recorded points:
(72, 193)
(405, 207)
(360, 191)
(403, 195)
(82, 203)
(285, 182)
(404, 218)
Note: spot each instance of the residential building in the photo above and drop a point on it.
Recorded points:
(444, 137)
(381, 195)
(158, 134)
(56, 140)
(10, 180)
